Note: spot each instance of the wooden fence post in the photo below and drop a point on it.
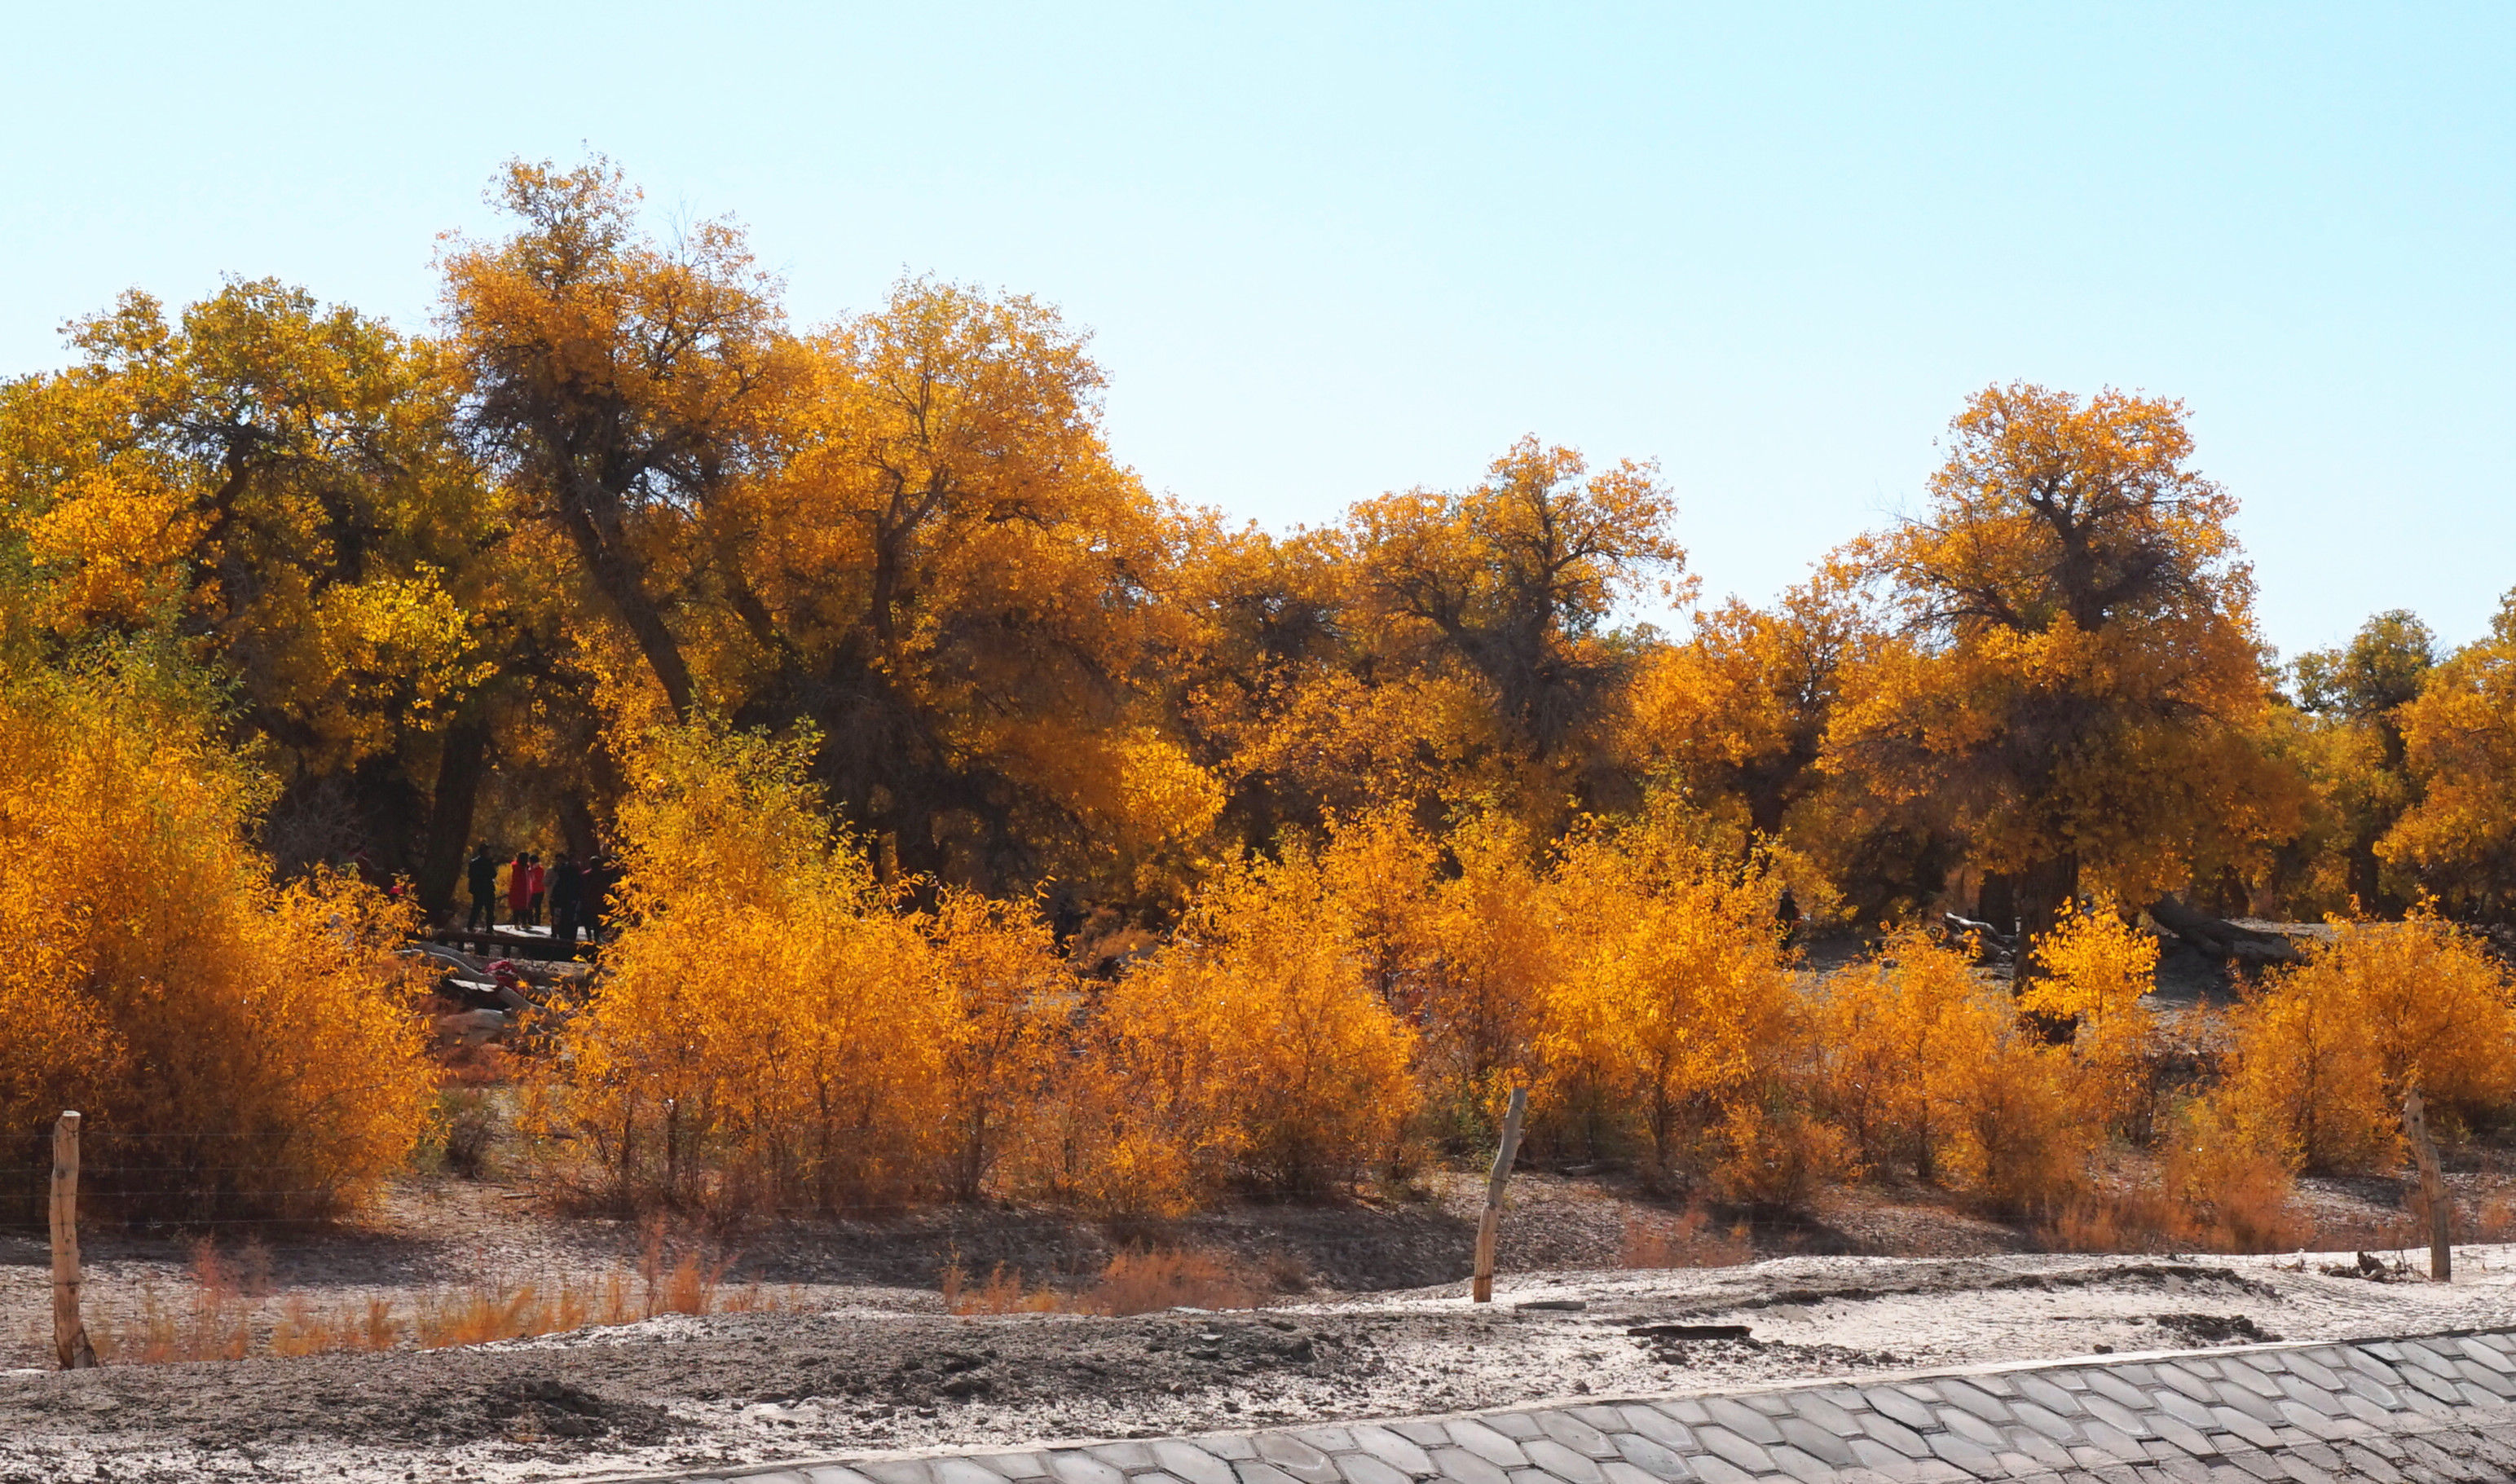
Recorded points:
(1493, 1216)
(69, 1335)
(2433, 1192)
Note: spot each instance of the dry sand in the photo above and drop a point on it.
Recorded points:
(888, 1371)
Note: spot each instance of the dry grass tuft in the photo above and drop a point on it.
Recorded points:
(1138, 1281)
(1686, 1239)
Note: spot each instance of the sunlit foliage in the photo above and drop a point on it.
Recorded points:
(240, 1049)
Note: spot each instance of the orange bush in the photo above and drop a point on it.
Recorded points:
(245, 1048)
(1671, 1016)
(2326, 1051)
(1251, 1050)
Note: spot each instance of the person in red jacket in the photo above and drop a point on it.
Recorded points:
(541, 880)
(519, 887)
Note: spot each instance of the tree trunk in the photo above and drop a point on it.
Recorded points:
(620, 577)
(460, 764)
(2045, 890)
(2218, 938)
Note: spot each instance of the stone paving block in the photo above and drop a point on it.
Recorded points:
(2106, 1441)
(1656, 1425)
(1713, 1468)
(2423, 1382)
(1823, 1411)
(1897, 1403)
(1753, 1426)
(1530, 1476)
(1386, 1445)
(1618, 1472)
(1563, 1462)
(1575, 1433)
(965, 1471)
(1326, 1440)
(1963, 1452)
(1770, 1403)
(1488, 1444)
(2240, 1370)
(774, 1476)
(1879, 1459)
(832, 1473)
(2261, 1466)
(2043, 1421)
(1192, 1463)
(1849, 1398)
(1466, 1468)
(2115, 1389)
(1824, 1443)
(1722, 1443)
(1805, 1468)
(920, 1471)
(1294, 1456)
(1975, 1401)
(1232, 1447)
(2182, 1408)
(2043, 1392)
(2476, 1348)
(1973, 1429)
(2122, 1419)
(2238, 1398)
(2184, 1470)
(1126, 1456)
(1604, 1418)
(2251, 1430)
(1423, 1434)
(1363, 1469)
(1686, 1410)
(1513, 1425)
(1260, 1474)
(1896, 1435)
(1070, 1465)
(2176, 1434)
(2182, 1381)
(1652, 1457)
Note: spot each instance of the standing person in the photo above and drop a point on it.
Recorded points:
(533, 911)
(600, 876)
(567, 892)
(483, 871)
(519, 888)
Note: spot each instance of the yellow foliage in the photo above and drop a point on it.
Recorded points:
(1672, 1014)
(1251, 1051)
(2325, 1051)
(769, 1034)
(260, 1037)
(2093, 968)
(1919, 1060)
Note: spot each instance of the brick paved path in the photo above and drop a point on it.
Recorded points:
(2443, 1406)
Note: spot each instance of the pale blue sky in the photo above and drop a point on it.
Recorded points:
(1331, 250)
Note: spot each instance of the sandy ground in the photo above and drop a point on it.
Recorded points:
(887, 1370)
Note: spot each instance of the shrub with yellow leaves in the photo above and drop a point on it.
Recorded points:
(1673, 1027)
(2326, 1051)
(1251, 1052)
(240, 1049)
(768, 1034)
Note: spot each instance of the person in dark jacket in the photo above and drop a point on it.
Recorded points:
(567, 894)
(481, 871)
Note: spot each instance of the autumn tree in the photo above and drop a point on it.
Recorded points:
(943, 569)
(2084, 677)
(1509, 585)
(616, 381)
(2459, 738)
(2361, 767)
(278, 486)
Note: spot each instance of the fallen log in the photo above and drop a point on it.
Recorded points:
(2218, 938)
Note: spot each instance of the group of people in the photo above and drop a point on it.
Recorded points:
(577, 893)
